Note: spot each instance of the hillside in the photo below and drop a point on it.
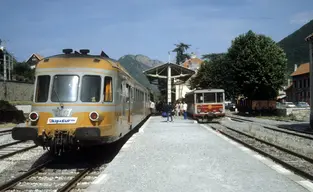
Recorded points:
(147, 61)
(296, 48)
(135, 65)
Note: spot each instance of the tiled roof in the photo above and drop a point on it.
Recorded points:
(38, 56)
(302, 69)
(192, 60)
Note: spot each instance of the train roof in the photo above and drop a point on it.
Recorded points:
(78, 55)
(85, 55)
(205, 91)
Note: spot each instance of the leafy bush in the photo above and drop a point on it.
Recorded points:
(10, 114)
(5, 105)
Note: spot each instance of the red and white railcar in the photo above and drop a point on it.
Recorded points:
(206, 104)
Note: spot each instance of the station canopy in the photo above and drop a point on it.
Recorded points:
(176, 72)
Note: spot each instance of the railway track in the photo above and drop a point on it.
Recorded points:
(5, 132)
(289, 131)
(298, 163)
(46, 178)
(10, 149)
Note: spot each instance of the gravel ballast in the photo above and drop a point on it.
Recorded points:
(294, 143)
(283, 156)
(264, 121)
(16, 165)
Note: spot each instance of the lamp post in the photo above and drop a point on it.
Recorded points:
(309, 39)
(4, 63)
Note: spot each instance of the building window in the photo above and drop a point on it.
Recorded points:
(295, 84)
(300, 83)
(304, 83)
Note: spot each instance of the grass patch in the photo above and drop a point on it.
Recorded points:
(7, 125)
(277, 118)
(20, 102)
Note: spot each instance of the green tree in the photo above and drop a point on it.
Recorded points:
(257, 65)
(215, 73)
(181, 54)
(22, 69)
(212, 56)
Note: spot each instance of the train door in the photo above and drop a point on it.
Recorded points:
(124, 96)
(144, 103)
(130, 104)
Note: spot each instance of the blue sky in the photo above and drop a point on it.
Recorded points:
(145, 27)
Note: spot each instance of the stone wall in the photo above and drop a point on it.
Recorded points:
(16, 91)
(298, 114)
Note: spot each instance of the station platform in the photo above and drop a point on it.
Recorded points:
(183, 156)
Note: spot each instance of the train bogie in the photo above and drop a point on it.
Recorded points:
(82, 100)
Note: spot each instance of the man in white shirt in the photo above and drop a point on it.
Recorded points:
(152, 105)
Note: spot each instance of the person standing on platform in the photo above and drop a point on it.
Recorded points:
(152, 105)
(177, 109)
(168, 109)
(181, 109)
(185, 110)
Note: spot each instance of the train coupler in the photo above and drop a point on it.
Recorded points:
(60, 142)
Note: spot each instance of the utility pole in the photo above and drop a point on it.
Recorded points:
(4, 65)
(11, 66)
(309, 39)
(2, 47)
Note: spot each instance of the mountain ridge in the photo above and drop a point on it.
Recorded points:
(135, 65)
(295, 46)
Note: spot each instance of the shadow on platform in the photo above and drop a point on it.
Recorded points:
(300, 127)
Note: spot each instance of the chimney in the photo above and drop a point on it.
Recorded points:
(296, 66)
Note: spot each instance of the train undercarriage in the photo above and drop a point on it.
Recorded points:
(61, 141)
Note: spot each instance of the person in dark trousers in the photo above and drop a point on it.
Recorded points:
(168, 109)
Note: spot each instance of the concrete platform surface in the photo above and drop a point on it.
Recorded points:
(185, 156)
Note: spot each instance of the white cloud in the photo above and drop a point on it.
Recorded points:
(302, 17)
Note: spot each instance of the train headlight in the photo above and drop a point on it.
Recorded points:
(94, 116)
(33, 116)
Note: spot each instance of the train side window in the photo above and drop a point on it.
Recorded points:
(91, 93)
(137, 95)
(219, 97)
(209, 98)
(108, 89)
(199, 97)
(42, 88)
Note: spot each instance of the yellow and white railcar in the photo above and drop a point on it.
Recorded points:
(81, 99)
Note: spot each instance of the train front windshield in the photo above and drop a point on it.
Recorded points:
(210, 97)
(65, 88)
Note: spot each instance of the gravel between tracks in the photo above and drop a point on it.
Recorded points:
(288, 158)
(7, 138)
(18, 164)
(264, 121)
(293, 143)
